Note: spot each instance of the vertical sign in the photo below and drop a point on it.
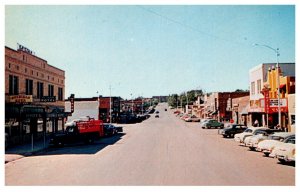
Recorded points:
(267, 101)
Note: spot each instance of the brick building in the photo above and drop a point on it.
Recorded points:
(34, 95)
(216, 104)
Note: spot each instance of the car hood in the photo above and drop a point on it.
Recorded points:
(269, 144)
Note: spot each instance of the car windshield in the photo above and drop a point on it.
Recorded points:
(286, 140)
(248, 131)
(273, 137)
(257, 132)
(289, 140)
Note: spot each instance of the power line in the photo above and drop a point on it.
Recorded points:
(190, 27)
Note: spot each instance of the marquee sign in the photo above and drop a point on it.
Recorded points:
(20, 99)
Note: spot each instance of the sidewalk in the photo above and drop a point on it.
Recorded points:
(19, 151)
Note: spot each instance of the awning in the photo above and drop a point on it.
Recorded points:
(282, 86)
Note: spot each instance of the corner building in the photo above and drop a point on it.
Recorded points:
(34, 96)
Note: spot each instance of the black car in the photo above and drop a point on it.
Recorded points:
(156, 116)
(233, 129)
(110, 129)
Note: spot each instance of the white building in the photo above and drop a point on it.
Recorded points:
(257, 77)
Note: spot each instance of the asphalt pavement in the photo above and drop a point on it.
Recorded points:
(164, 151)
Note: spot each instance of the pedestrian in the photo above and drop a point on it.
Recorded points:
(277, 126)
(256, 123)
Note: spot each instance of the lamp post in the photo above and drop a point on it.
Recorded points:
(110, 104)
(278, 80)
(131, 103)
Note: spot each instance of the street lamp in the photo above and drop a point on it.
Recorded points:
(131, 104)
(110, 104)
(278, 80)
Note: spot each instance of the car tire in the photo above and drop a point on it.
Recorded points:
(282, 161)
(252, 148)
(266, 154)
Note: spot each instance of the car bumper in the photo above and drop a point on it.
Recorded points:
(285, 158)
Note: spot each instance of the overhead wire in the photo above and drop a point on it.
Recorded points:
(189, 27)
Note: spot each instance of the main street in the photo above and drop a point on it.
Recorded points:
(158, 151)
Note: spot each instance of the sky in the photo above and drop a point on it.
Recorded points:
(149, 50)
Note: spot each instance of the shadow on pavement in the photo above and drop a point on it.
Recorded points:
(81, 148)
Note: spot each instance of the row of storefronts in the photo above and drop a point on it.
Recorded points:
(259, 104)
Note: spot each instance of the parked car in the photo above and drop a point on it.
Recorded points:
(192, 118)
(156, 116)
(184, 116)
(110, 129)
(285, 152)
(240, 137)
(259, 136)
(267, 146)
(232, 129)
(166, 109)
(212, 123)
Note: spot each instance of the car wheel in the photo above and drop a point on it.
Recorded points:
(266, 154)
(252, 148)
(282, 161)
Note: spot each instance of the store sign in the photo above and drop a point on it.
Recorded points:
(48, 99)
(20, 99)
(272, 105)
(274, 102)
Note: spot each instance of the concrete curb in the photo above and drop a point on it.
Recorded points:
(13, 157)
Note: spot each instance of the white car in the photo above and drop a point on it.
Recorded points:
(285, 152)
(240, 137)
(268, 145)
(260, 135)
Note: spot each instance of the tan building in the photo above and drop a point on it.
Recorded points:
(240, 108)
(34, 95)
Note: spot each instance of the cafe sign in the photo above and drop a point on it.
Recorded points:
(20, 99)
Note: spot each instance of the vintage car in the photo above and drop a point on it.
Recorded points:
(260, 135)
(232, 129)
(247, 133)
(285, 152)
(192, 118)
(268, 145)
(212, 123)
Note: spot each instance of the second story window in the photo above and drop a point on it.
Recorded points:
(258, 86)
(13, 85)
(50, 90)
(29, 87)
(252, 88)
(40, 90)
(60, 94)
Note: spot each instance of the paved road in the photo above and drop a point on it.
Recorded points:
(159, 151)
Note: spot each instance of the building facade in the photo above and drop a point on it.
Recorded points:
(217, 106)
(239, 110)
(34, 96)
(264, 76)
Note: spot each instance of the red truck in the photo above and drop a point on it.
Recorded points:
(79, 131)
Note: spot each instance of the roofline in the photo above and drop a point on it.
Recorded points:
(36, 57)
